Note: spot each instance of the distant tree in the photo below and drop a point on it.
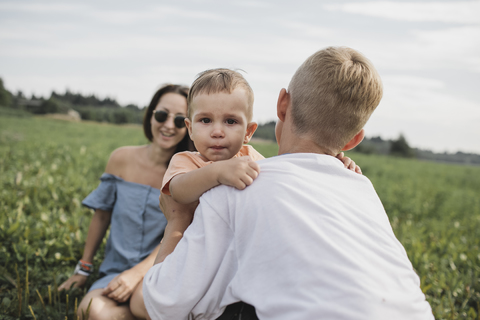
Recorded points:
(266, 131)
(367, 147)
(5, 96)
(120, 116)
(89, 107)
(107, 102)
(132, 106)
(85, 113)
(77, 99)
(400, 148)
(20, 95)
(51, 105)
(377, 139)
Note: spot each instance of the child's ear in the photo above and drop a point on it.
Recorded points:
(188, 124)
(355, 140)
(251, 127)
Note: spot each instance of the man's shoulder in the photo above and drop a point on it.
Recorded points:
(292, 166)
(302, 168)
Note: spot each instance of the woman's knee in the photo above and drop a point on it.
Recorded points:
(94, 306)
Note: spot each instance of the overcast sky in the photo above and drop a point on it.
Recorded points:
(427, 53)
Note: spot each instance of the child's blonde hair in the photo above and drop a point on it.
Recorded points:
(333, 93)
(220, 80)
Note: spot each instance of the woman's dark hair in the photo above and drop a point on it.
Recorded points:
(186, 144)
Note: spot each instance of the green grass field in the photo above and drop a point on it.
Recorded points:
(48, 166)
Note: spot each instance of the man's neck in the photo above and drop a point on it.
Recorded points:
(302, 145)
(292, 142)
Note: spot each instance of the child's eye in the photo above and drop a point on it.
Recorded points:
(231, 121)
(205, 120)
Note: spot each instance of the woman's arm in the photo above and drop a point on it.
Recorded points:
(96, 231)
(123, 286)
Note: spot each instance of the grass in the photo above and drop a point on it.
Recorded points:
(48, 166)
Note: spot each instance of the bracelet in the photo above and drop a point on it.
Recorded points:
(83, 268)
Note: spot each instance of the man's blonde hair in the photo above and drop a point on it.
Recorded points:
(333, 93)
(220, 80)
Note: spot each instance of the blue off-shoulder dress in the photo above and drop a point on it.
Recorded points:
(136, 227)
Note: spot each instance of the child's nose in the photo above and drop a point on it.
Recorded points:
(218, 132)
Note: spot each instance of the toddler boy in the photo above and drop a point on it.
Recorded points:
(219, 122)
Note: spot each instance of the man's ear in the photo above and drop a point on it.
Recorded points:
(188, 124)
(355, 140)
(282, 104)
(251, 127)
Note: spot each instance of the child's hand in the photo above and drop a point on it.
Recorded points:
(349, 163)
(237, 172)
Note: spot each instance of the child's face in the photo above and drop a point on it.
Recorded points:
(219, 125)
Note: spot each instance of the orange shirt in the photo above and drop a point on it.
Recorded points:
(186, 161)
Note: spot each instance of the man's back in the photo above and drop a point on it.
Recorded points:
(308, 240)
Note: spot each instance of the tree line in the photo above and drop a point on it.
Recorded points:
(108, 110)
(394, 147)
(88, 107)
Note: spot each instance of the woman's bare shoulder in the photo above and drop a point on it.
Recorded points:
(122, 158)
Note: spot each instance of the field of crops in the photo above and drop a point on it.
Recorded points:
(48, 166)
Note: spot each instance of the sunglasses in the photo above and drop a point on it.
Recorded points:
(161, 116)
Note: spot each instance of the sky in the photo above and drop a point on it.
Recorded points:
(427, 53)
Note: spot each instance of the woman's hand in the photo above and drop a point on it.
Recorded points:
(77, 280)
(122, 286)
(349, 163)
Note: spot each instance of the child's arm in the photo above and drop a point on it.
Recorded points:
(179, 217)
(237, 172)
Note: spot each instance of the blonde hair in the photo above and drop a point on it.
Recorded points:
(333, 93)
(220, 80)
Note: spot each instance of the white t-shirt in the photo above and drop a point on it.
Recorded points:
(308, 239)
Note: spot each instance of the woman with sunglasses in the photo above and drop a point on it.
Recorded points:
(127, 201)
